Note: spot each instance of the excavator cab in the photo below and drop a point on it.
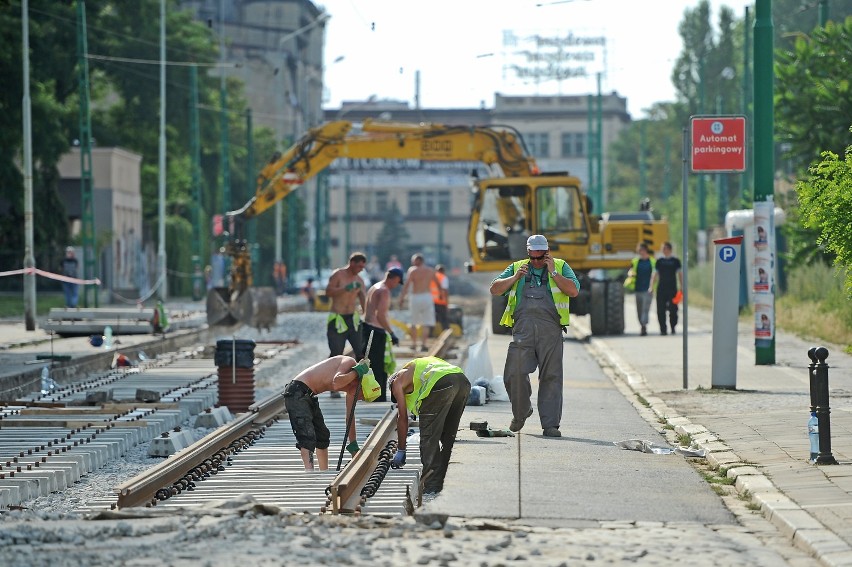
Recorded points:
(506, 211)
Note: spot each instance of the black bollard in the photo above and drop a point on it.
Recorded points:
(812, 376)
(822, 410)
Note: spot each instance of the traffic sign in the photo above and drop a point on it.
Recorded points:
(718, 143)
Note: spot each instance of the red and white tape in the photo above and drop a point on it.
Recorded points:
(50, 275)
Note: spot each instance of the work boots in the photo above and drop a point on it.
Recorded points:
(517, 424)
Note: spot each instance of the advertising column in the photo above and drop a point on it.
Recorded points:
(726, 295)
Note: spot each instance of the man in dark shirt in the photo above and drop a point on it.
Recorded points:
(643, 268)
(669, 279)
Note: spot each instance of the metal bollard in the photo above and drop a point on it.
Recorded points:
(819, 386)
(812, 376)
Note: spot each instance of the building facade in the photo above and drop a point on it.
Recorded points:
(116, 174)
(434, 198)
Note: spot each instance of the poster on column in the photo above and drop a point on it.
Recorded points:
(763, 266)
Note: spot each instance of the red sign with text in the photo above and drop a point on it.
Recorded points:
(718, 143)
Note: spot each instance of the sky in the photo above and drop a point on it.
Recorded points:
(459, 49)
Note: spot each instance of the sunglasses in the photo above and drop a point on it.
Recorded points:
(537, 257)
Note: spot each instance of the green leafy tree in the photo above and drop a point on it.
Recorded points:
(825, 199)
(813, 100)
(393, 236)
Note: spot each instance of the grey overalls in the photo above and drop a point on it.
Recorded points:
(536, 342)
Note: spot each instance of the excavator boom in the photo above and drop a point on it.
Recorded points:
(428, 142)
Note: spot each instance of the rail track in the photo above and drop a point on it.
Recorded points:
(257, 450)
(50, 441)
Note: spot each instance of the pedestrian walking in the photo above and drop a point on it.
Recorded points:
(335, 374)
(69, 269)
(436, 392)
(347, 292)
(421, 309)
(539, 289)
(667, 280)
(376, 321)
(441, 296)
(643, 271)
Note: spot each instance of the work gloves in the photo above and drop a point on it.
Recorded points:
(398, 459)
(352, 285)
(362, 367)
(394, 340)
(353, 447)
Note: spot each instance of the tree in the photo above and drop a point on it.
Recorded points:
(825, 200)
(392, 239)
(813, 97)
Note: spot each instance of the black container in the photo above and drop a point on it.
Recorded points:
(227, 350)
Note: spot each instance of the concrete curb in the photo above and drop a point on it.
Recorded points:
(805, 531)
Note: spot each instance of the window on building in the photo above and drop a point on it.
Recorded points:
(573, 144)
(428, 203)
(538, 143)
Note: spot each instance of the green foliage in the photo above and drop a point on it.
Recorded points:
(826, 205)
(813, 100)
(179, 256)
(393, 237)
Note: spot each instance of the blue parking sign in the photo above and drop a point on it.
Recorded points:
(727, 254)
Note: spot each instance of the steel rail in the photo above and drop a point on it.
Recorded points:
(344, 493)
(205, 455)
(141, 490)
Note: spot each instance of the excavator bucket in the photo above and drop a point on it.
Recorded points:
(256, 307)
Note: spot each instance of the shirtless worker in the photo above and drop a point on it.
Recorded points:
(421, 308)
(346, 290)
(335, 374)
(376, 322)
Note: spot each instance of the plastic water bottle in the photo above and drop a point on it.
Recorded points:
(47, 383)
(813, 434)
(107, 337)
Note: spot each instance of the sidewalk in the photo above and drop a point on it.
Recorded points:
(758, 432)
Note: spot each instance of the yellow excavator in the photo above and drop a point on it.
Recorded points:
(515, 201)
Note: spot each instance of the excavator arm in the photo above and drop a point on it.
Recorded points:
(388, 140)
(492, 145)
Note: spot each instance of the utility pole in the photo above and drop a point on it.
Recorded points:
(223, 96)
(195, 165)
(251, 229)
(161, 184)
(590, 152)
(87, 204)
(823, 12)
(29, 247)
(764, 164)
(643, 186)
(599, 192)
(746, 176)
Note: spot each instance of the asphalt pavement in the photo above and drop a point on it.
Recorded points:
(756, 432)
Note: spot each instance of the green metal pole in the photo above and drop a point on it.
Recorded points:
(721, 191)
(643, 186)
(599, 151)
(667, 171)
(251, 229)
(823, 12)
(702, 197)
(195, 165)
(87, 203)
(746, 110)
(292, 241)
(348, 219)
(590, 153)
(320, 222)
(764, 159)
